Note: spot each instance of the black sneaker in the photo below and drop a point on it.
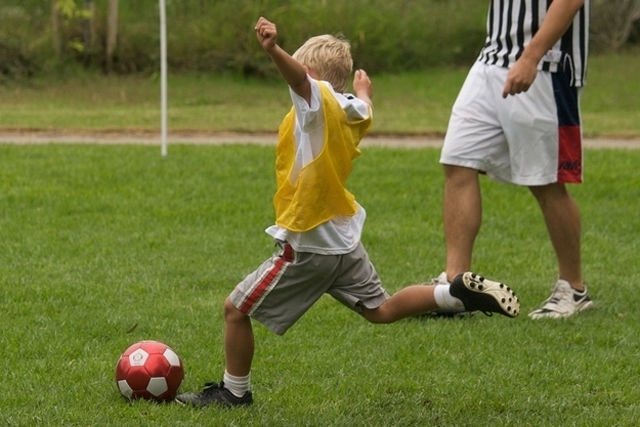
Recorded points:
(442, 280)
(214, 393)
(487, 296)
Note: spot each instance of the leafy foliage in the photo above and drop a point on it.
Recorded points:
(218, 36)
(215, 36)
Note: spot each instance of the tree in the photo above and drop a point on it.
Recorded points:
(65, 16)
(112, 32)
(88, 26)
(613, 22)
(56, 29)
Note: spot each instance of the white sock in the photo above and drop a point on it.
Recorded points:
(445, 301)
(236, 385)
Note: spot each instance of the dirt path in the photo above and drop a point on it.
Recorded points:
(204, 138)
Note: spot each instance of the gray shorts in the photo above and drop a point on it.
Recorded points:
(286, 285)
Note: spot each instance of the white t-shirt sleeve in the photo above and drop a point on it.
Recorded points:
(355, 107)
(309, 128)
(307, 114)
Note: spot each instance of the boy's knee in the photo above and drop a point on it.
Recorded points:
(231, 313)
(375, 315)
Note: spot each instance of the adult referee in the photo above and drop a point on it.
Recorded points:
(517, 119)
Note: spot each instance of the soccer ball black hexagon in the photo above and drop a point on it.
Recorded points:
(149, 370)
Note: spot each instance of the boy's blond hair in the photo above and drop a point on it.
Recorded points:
(329, 57)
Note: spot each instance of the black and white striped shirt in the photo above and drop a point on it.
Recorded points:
(512, 23)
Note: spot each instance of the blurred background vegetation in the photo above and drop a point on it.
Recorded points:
(387, 36)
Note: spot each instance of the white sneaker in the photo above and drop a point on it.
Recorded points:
(563, 302)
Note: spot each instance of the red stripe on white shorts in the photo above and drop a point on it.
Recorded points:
(569, 154)
(268, 280)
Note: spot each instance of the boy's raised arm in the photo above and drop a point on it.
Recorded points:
(362, 86)
(291, 70)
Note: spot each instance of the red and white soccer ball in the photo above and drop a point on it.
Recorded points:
(149, 370)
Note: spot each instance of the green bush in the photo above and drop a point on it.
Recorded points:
(218, 36)
(19, 38)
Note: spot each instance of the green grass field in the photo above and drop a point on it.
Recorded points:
(102, 246)
(413, 103)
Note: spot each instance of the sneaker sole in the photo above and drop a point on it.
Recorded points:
(500, 298)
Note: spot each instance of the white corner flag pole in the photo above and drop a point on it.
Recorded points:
(163, 76)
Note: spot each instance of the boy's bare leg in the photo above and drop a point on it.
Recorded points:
(238, 341)
(410, 301)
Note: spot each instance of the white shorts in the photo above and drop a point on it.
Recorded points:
(533, 138)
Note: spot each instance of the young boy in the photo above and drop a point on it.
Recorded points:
(318, 222)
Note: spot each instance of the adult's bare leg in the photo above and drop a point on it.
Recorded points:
(562, 217)
(462, 214)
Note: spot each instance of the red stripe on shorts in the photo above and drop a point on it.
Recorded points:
(569, 154)
(268, 279)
